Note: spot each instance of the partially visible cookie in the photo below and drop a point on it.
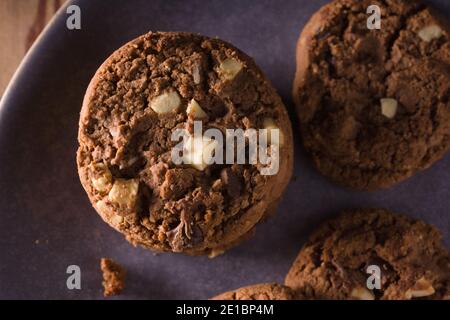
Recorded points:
(374, 105)
(266, 291)
(414, 263)
(113, 277)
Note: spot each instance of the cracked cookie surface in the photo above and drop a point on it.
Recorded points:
(151, 86)
(374, 105)
(413, 262)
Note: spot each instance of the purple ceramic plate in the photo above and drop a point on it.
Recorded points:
(46, 220)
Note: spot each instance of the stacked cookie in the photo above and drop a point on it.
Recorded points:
(373, 106)
(144, 92)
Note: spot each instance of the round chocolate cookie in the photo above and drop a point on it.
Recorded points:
(266, 291)
(144, 92)
(347, 254)
(373, 103)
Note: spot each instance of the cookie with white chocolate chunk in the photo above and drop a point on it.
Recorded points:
(138, 98)
(370, 254)
(373, 104)
(264, 291)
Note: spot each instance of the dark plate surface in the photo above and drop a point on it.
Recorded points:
(41, 197)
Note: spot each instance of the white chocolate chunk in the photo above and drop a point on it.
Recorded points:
(114, 131)
(124, 192)
(430, 33)
(214, 253)
(196, 74)
(361, 293)
(105, 211)
(422, 288)
(389, 107)
(194, 110)
(102, 208)
(269, 124)
(116, 220)
(166, 102)
(229, 68)
(101, 183)
(199, 151)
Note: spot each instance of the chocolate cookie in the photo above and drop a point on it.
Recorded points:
(374, 104)
(266, 291)
(411, 259)
(141, 94)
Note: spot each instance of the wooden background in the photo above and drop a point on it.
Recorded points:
(21, 21)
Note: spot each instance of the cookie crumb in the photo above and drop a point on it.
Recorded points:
(113, 277)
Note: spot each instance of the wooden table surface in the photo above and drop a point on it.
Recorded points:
(21, 21)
